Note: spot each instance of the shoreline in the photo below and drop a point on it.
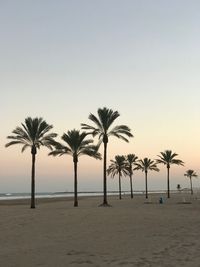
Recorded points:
(153, 197)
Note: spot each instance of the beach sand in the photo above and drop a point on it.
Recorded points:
(130, 233)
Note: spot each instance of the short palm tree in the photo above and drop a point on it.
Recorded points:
(146, 165)
(33, 134)
(118, 166)
(168, 158)
(131, 160)
(190, 174)
(103, 123)
(76, 146)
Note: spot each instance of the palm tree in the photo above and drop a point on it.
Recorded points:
(76, 146)
(167, 158)
(33, 134)
(103, 122)
(190, 174)
(131, 160)
(118, 166)
(146, 165)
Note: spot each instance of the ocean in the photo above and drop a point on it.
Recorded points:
(7, 196)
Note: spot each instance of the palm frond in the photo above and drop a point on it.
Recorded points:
(107, 117)
(60, 150)
(90, 151)
(25, 147)
(85, 126)
(119, 132)
(43, 128)
(96, 121)
(20, 134)
(131, 158)
(177, 162)
(14, 143)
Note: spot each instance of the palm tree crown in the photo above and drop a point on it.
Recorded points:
(118, 166)
(102, 123)
(145, 165)
(76, 146)
(33, 134)
(190, 174)
(167, 158)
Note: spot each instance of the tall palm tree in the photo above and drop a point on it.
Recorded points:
(190, 174)
(118, 166)
(131, 160)
(76, 146)
(103, 122)
(33, 134)
(146, 165)
(168, 158)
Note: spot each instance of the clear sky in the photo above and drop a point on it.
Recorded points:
(63, 59)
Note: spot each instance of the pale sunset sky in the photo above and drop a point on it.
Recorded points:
(63, 59)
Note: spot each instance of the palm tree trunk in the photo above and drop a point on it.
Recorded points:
(191, 185)
(168, 186)
(146, 184)
(120, 193)
(105, 203)
(131, 184)
(33, 182)
(75, 185)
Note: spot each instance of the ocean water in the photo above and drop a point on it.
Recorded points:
(7, 196)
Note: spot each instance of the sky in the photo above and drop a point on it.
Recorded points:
(62, 60)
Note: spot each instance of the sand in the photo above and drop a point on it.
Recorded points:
(130, 233)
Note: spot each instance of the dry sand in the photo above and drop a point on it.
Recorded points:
(130, 233)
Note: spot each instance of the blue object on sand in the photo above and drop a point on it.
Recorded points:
(161, 200)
